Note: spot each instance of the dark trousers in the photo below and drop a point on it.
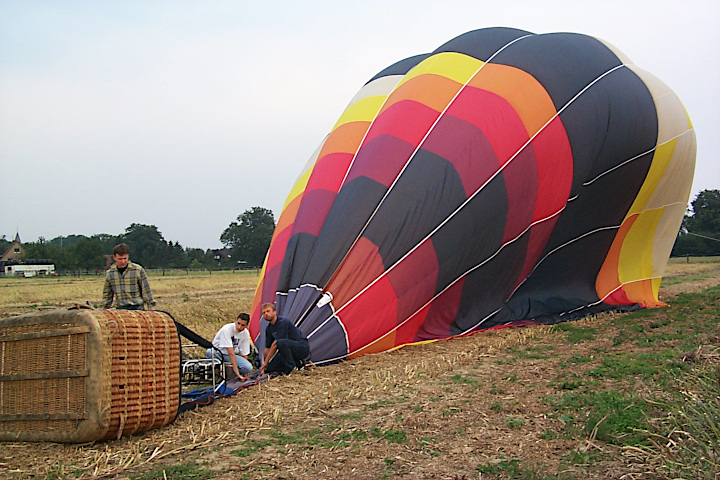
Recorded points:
(289, 352)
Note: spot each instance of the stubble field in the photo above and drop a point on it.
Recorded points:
(604, 397)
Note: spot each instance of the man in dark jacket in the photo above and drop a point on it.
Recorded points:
(285, 339)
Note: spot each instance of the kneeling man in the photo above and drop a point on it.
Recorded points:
(285, 339)
(233, 341)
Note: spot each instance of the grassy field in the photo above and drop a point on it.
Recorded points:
(626, 396)
(202, 301)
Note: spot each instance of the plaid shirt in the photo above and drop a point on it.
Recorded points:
(130, 288)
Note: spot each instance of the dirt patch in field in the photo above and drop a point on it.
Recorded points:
(446, 410)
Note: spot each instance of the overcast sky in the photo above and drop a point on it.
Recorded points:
(185, 114)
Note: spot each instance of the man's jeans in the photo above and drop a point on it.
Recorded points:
(244, 366)
(289, 352)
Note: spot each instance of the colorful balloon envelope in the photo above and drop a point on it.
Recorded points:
(505, 178)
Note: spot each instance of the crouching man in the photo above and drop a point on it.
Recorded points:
(285, 339)
(233, 342)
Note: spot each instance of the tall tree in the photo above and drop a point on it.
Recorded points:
(199, 258)
(66, 241)
(63, 258)
(250, 235)
(89, 254)
(108, 242)
(700, 231)
(706, 214)
(177, 257)
(147, 245)
(4, 244)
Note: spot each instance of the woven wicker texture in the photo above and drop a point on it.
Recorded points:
(85, 375)
(145, 373)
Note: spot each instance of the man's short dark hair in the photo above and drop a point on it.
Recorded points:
(244, 316)
(121, 249)
(271, 305)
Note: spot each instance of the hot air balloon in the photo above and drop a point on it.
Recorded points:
(505, 178)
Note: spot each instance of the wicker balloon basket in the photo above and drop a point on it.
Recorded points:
(84, 375)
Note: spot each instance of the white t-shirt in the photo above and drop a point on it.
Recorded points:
(229, 337)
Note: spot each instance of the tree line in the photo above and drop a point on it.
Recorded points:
(700, 231)
(246, 242)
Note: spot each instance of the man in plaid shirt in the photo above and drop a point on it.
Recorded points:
(127, 282)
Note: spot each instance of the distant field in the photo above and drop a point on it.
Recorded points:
(676, 260)
(199, 300)
(177, 289)
(687, 270)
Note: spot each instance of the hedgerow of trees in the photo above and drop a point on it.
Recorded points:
(249, 238)
(699, 234)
